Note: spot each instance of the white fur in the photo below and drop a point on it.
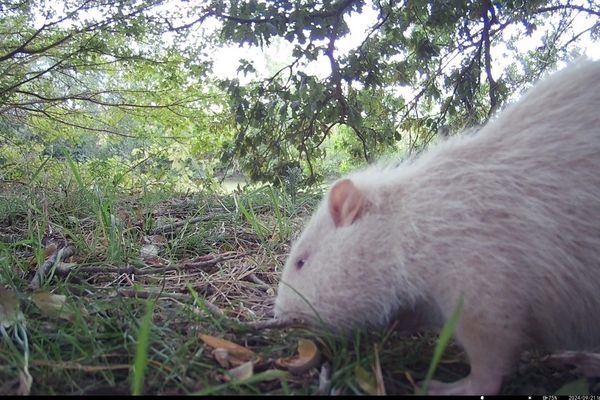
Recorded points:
(508, 217)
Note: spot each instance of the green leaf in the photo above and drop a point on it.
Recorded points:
(74, 169)
(578, 387)
(366, 380)
(52, 305)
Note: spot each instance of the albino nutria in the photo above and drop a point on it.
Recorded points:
(508, 218)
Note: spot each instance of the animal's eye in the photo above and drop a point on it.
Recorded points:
(300, 263)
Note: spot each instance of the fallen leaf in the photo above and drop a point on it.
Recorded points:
(50, 250)
(308, 357)
(222, 356)
(366, 380)
(65, 267)
(9, 307)
(159, 240)
(52, 304)
(232, 348)
(241, 372)
(149, 251)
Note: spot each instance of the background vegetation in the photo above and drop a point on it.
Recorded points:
(118, 125)
(127, 88)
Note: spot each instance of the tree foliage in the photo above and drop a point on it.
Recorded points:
(96, 78)
(129, 82)
(444, 51)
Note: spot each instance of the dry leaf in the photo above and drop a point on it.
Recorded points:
(50, 250)
(52, 304)
(64, 267)
(9, 307)
(241, 372)
(159, 240)
(222, 356)
(149, 251)
(308, 357)
(233, 349)
(228, 360)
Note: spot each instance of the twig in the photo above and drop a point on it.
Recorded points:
(145, 294)
(62, 254)
(79, 367)
(132, 270)
(273, 324)
(255, 279)
(179, 224)
(214, 310)
(215, 260)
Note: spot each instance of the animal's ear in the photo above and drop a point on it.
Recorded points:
(346, 203)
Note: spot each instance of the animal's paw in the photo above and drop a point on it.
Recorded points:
(437, 388)
(466, 386)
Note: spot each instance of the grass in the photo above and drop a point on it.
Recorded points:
(129, 324)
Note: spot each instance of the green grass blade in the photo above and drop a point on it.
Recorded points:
(74, 170)
(38, 170)
(251, 217)
(443, 340)
(141, 353)
(284, 229)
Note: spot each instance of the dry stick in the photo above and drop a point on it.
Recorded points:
(131, 270)
(63, 253)
(273, 324)
(179, 224)
(255, 279)
(254, 325)
(66, 252)
(80, 367)
(218, 259)
(144, 294)
(214, 310)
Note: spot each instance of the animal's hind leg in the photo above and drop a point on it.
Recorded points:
(491, 351)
